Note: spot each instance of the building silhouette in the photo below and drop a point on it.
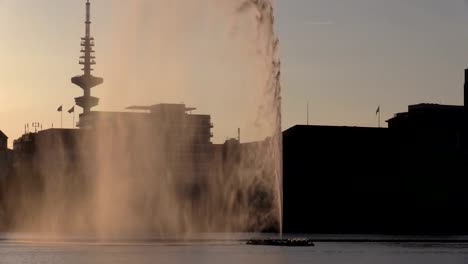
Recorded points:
(409, 178)
(173, 118)
(5, 172)
(5, 156)
(3, 141)
(429, 116)
(179, 141)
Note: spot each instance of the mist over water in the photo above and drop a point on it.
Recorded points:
(129, 177)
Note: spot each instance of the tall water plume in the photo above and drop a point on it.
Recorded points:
(138, 174)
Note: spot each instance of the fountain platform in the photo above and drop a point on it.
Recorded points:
(299, 242)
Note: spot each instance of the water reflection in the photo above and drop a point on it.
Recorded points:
(223, 249)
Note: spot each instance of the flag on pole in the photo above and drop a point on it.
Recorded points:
(72, 110)
(60, 109)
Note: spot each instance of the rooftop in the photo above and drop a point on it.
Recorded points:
(2, 135)
(435, 107)
(162, 107)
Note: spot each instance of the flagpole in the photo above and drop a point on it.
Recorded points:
(378, 113)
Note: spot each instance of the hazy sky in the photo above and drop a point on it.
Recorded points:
(345, 57)
(349, 56)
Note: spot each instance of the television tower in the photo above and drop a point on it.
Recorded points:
(87, 80)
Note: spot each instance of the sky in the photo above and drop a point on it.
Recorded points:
(342, 57)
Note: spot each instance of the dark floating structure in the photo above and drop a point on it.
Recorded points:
(296, 242)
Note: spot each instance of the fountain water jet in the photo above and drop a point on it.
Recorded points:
(133, 176)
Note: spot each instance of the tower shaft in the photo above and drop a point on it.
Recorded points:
(87, 81)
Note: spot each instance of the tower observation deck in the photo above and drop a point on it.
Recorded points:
(87, 80)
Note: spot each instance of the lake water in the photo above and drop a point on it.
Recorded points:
(224, 249)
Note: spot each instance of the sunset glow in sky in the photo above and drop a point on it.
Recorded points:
(346, 57)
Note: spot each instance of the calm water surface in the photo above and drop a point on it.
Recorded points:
(225, 250)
